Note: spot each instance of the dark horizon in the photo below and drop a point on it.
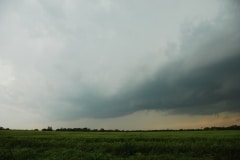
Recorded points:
(119, 64)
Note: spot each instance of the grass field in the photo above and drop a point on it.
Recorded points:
(24, 145)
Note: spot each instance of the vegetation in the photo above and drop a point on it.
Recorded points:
(233, 127)
(203, 144)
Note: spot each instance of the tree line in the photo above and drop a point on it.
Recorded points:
(233, 127)
(85, 129)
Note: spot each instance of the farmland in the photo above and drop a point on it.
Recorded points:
(23, 145)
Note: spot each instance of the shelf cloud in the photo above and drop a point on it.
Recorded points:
(65, 60)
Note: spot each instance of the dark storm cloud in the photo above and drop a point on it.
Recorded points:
(210, 89)
(73, 59)
(203, 79)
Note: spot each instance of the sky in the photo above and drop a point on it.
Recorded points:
(119, 64)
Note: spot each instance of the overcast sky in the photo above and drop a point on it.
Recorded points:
(127, 64)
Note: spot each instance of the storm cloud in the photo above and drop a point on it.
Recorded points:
(66, 60)
(202, 79)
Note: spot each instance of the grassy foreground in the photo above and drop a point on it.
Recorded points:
(24, 145)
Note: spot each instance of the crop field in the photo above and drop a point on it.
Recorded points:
(24, 145)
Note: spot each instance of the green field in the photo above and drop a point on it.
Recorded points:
(24, 145)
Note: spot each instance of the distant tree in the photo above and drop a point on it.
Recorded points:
(49, 128)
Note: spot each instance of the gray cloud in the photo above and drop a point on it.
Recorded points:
(213, 88)
(66, 60)
(202, 79)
